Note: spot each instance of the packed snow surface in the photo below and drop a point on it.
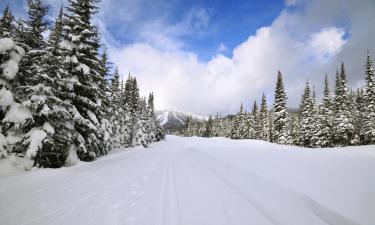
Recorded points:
(197, 181)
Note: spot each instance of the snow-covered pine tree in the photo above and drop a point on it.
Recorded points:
(188, 132)
(83, 80)
(306, 128)
(209, 127)
(116, 110)
(255, 114)
(157, 130)
(264, 126)
(280, 113)
(248, 126)
(355, 115)
(143, 135)
(343, 128)
(12, 113)
(323, 129)
(48, 137)
(367, 132)
(6, 23)
(105, 99)
(292, 129)
(238, 130)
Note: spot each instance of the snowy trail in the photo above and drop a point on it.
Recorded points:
(195, 181)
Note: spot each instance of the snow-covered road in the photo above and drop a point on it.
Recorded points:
(197, 181)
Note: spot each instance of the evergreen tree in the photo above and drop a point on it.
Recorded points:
(117, 112)
(239, 126)
(264, 126)
(83, 80)
(255, 118)
(56, 34)
(157, 130)
(323, 130)
(209, 127)
(306, 118)
(292, 129)
(343, 129)
(368, 112)
(6, 23)
(13, 115)
(36, 24)
(280, 114)
(39, 85)
(188, 127)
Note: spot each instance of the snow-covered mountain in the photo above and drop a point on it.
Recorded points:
(174, 119)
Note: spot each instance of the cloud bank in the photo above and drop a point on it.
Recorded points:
(308, 39)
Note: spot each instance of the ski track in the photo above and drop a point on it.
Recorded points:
(168, 184)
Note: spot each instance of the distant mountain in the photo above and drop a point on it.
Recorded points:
(172, 120)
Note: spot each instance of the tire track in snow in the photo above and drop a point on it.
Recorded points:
(171, 210)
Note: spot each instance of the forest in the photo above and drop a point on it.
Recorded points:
(58, 95)
(345, 117)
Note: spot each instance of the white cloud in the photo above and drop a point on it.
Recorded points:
(326, 43)
(297, 42)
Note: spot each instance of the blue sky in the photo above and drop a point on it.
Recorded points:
(215, 26)
(208, 56)
(208, 23)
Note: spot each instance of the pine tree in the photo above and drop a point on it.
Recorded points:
(36, 25)
(238, 128)
(264, 121)
(323, 130)
(292, 129)
(343, 129)
(13, 115)
(280, 114)
(209, 127)
(6, 23)
(117, 112)
(56, 34)
(255, 118)
(83, 80)
(306, 118)
(157, 130)
(39, 86)
(188, 127)
(355, 115)
(367, 132)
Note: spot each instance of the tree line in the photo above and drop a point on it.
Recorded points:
(58, 96)
(345, 117)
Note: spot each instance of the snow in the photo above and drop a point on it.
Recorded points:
(48, 128)
(84, 68)
(92, 117)
(199, 181)
(36, 138)
(17, 114)
(163, 118)
(6, 44)
(6, 97)
(72, 158)
(178, 118)
(67, 45)
(14, 164)
(10, 67)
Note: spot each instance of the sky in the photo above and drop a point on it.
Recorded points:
(208, 56)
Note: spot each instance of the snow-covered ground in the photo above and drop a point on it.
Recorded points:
(197, 181)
